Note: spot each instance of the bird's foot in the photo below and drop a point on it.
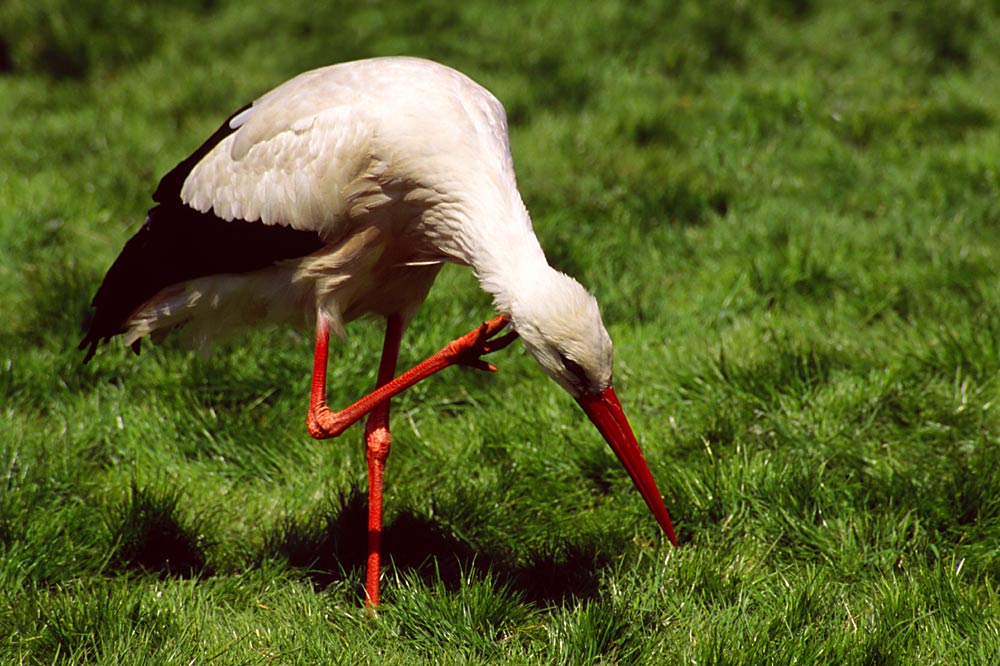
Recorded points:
(469, 349)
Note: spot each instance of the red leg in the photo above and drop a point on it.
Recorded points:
(317, 400)
(466, 350)
(378, 442)
(322, 423)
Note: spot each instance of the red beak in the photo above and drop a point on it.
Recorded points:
(606, 413)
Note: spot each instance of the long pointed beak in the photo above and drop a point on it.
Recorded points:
(606, 413)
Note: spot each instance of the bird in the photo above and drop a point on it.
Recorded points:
(340, 194)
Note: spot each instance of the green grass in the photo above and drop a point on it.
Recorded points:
(789, 212)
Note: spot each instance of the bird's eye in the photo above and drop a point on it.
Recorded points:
(574, 369)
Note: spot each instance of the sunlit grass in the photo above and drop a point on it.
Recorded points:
(789, 213)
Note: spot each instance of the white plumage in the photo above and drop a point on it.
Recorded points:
(341, 193)
(399, 164)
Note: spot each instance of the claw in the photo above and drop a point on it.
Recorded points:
(496, 344)
(478, 364)
(494, 326)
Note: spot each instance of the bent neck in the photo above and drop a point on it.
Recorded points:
(509, 263)
(494, 236)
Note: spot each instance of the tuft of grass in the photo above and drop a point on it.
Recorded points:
(488, 620)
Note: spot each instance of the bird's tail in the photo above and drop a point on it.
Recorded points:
(178, 244)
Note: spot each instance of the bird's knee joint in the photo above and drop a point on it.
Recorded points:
(321, 425)
(378, 442)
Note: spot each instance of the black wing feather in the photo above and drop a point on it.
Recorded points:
(178, 243)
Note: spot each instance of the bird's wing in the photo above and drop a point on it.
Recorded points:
(223, 210)
(288, 165)
(322, 147)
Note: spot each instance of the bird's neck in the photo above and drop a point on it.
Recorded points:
(504, 254)
(492, 233)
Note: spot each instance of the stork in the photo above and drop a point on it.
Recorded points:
(341, 193)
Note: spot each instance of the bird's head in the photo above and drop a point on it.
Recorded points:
(560, 324)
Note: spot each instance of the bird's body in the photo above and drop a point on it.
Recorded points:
(385, 168)
(341, 193)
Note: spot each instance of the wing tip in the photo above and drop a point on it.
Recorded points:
(100, 330)
(90, 343)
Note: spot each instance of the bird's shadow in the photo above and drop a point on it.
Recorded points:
(334, 549)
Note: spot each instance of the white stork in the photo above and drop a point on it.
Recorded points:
(341, 193)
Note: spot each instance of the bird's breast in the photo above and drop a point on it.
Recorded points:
(382, 268)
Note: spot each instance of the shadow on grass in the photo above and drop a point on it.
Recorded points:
(149, 536)
(336, 550)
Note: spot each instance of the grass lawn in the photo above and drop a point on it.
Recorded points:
(790, 213)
